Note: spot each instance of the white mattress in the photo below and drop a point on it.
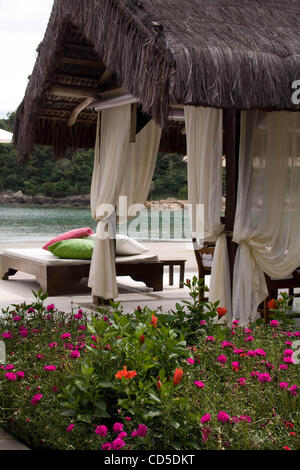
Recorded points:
(44, 257)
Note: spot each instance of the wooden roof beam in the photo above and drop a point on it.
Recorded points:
(77, 110)
(74, 91)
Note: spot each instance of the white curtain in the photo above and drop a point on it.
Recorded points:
(204, 133)
(121, 168)
(267, 222)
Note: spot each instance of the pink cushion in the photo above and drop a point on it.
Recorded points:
(76, 233)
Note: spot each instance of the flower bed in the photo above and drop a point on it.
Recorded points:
(147, 380)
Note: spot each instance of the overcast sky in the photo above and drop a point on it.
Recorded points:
(22, 27)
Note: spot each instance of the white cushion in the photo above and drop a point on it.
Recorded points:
(126, 246)
(44, 257)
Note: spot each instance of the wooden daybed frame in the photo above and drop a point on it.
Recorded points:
(53, 277)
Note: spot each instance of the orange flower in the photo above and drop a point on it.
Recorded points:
(272, 304)
(154, 320)
(158, 384)
(221, 311)
(177, 377)
(127, 374)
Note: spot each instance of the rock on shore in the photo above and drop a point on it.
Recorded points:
(80, 201)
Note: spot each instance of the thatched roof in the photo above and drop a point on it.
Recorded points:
(240, 54)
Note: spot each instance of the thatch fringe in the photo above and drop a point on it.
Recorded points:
(241, 54)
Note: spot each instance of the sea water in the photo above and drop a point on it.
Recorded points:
(25, 223)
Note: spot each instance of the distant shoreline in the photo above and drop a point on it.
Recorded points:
(81, 201)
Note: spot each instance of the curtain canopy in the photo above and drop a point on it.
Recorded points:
(204, 148)
(121, 168)
(267, 221)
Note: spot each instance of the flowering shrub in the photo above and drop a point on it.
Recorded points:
(117, 382)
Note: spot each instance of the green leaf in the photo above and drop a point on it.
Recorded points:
(80, 385)
(101, 405)
(84, 418)
(154, 397)
(68, 413)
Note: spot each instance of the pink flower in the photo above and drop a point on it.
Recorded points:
(134, 433)
(20, 374)
(36, 399)
(118, 444)
(226, 344)
(70, 427)
(118, 427)
(30, 310)
(222, 359)
(251, 353)
(260, 352)
(205, 434)
(288, 360)
(78, 316)
(127, 418)
(283, 366)
(205, 418)
(106, 446)
(101, 430)
(265, 377)
(199, 384)
(238, 351)
(81, 327)
(23, 332)
(122, 435)
(191, 361)
(245, 418)
(75, 354)
(210, 338)
(10, 376)
(274, 323)
(7, 335)
(16, 318)
(9, 367)
(202, 322)
(249, 338)
(55, 389)
(288, 352)
(293, 389)
(242, 381)
(254, 373)
(65, 335)
(51, 367)
(223, 417)
(235, 364)
(50, 307)
(52, 345)
(283, 385)
(142, 430)
(39, 356)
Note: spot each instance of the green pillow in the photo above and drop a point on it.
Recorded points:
(74, 248)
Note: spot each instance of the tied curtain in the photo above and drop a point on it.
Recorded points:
(204, 133)
(267, 222)
(121, 168)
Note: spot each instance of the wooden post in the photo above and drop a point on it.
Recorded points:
(231, 143)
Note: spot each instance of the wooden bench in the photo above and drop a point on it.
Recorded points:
(54, 274)
(175, 262)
